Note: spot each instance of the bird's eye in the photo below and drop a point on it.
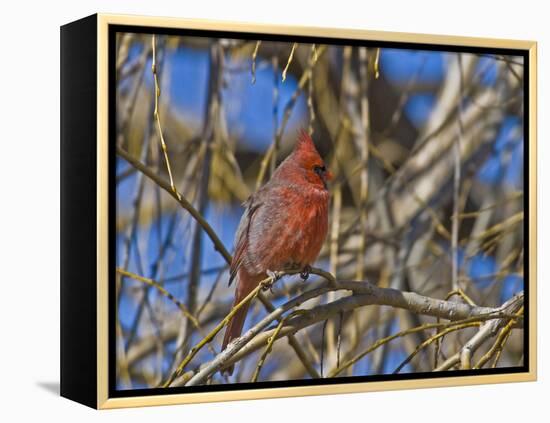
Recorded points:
(319, 170)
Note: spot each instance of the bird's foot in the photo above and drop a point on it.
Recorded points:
(304, 274)
(273, 277)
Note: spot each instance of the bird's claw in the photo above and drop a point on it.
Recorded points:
(304, 274)
(273, 276)
(268, 286)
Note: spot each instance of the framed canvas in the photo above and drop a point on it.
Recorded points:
(253, 211)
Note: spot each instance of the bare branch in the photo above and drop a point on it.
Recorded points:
(364, 293)
(218, 245)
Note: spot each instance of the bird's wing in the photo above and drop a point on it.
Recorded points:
(242, 236)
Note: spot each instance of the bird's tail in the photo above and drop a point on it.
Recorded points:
(245, 284)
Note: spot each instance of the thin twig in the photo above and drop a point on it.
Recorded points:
(163, 291)
(156, 115)
(312, 59)
(364, 156)
(289, 61)
(377, 64)
(496, 349)
(456, 184)
(269, 346)
(254, 56)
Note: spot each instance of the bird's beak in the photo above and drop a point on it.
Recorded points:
(329, 176)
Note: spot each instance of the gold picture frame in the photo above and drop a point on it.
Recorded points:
(79, 384)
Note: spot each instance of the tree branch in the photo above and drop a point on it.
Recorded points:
(218, 245)
(364, 293)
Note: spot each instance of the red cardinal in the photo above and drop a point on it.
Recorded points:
(285, 224)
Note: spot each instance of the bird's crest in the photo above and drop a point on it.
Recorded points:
(304, 141)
